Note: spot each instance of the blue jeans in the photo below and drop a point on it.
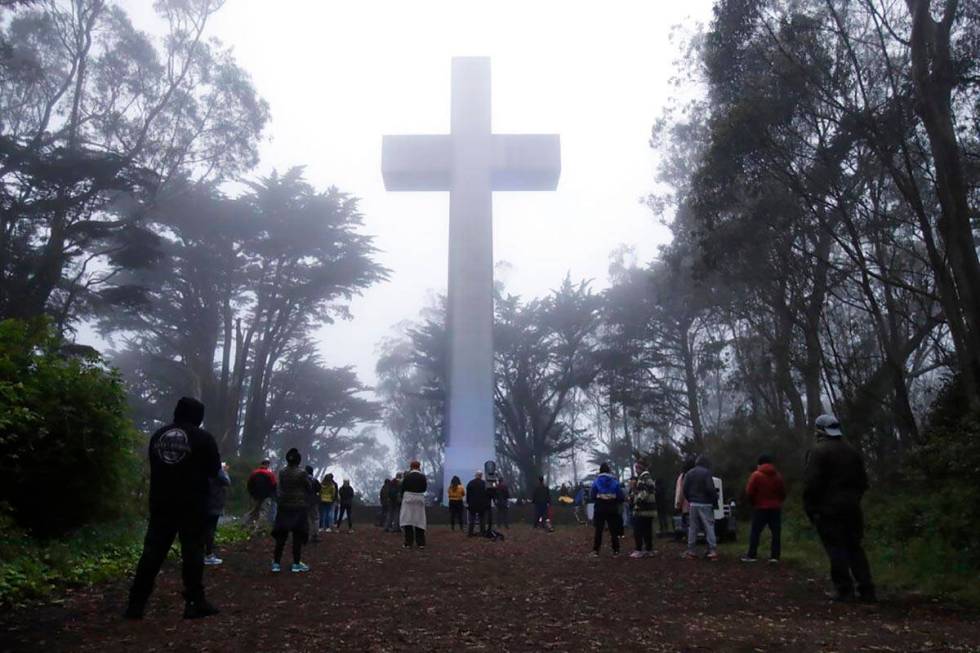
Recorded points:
(702, 519)
(326, 514)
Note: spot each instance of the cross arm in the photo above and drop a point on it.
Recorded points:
(417, 162)
(526, 161)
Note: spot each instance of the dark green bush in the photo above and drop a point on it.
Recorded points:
(66, 444)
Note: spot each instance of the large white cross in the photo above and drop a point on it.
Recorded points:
(470, 162)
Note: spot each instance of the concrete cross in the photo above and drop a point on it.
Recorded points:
(470, 162)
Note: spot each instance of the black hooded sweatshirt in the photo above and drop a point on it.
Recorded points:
(183, 458)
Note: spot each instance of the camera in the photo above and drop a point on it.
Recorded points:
(490, 472)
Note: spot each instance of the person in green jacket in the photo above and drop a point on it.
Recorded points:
(294, 495)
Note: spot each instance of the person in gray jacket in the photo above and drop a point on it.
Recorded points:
(701, 494)
(217, 491)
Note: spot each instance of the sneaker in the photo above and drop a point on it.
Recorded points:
(712, 555)
(299, 567)
(594, 554)
(276, 568)
(749, 559)
(773, 559)
(636, 554)
(350, 530)
(199, 609)
(212, 560)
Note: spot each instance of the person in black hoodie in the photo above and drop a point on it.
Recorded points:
(834, 483)
(478, 502)
(183, 460)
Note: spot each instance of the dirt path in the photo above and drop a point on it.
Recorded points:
(536, 591)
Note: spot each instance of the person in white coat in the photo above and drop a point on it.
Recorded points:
(412, 515)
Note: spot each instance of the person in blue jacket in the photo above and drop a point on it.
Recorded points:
(607, 495)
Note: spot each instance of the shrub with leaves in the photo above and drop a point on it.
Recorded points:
(66, 443)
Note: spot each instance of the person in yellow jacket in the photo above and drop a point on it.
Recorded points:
(328, 495)
(456, 494)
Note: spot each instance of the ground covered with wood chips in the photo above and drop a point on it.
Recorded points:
(534, 592)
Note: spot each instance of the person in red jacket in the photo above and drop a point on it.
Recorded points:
(766, 492)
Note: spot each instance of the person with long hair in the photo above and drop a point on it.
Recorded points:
(294, 494)
(456, 494)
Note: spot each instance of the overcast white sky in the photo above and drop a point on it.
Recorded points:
(340, 74)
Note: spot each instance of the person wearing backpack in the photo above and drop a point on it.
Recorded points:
(644, 499)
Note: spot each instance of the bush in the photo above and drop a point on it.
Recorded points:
(66, 443)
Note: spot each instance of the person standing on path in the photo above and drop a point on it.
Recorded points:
(346, 494)
(578, 506)
(502, 499)
(834, 482)
(313, 506)
(456, 493)
(328, 495)
(412, 513)
(218, 491)
(607, 495)
(394, 503)
(261, 486)
(681, 505)
(295, 489)
(702, 495)
(478, 502)
(644, 500)
(541, 498)
(766, 492)
(183, 460)
(383, 503)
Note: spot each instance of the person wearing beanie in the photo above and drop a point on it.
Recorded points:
(293, 516)
(834, 481)
(702, 496)
(607, 495)
(183, 460)
(766, 492)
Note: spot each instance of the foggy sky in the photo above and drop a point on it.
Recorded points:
(339, 75)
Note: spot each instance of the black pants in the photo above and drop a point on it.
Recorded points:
(160, 534)
(291, 520)
(414, 535)
(210, 529)
(478, 515)
(455, 514)
(643, 533)
(503, 516)
(841, 535)
(340, 517)
(773, 518)
(601, 517)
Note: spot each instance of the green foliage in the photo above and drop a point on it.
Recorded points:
(66, 445)
(32, 569)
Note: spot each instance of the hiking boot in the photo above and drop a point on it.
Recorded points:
(199, 609)
(212, 560)
(299, 567)
(276, 567)
(749, 559)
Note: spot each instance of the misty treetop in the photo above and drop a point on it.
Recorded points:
(116, 149)
(96, 117)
